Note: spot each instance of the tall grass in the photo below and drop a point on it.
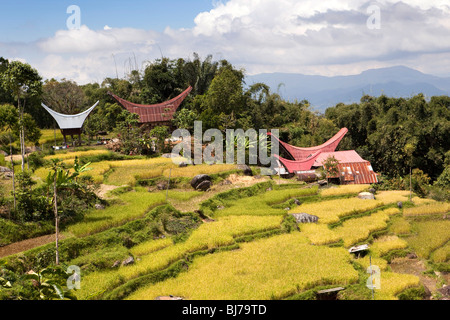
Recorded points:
(265, 269)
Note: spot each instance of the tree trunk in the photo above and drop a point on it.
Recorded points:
(56, 218)
(13, 178)
(410, 185)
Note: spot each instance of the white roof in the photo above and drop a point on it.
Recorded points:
(70, 121)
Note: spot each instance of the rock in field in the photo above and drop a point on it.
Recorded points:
(197, 180)
(247, 170)
(204, 186)
(128, 261)
(366, 196)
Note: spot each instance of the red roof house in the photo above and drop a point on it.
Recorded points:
(154, 114)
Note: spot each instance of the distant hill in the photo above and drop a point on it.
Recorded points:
(323, 92)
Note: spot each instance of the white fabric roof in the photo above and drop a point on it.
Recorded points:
(70, 121)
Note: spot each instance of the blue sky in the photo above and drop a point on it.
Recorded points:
(30, 20)
(333, 37)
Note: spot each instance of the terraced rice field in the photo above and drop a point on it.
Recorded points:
(251, 249)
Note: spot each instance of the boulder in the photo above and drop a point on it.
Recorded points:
(305, 218)
(128, 261)
(400, 204)
(204, 185)
(182, 165)
(247, 170)
(411, 256)
(287, 208)
(116, 264)
(297, 202)
(5, 169)
(162, 185)
(99, 206)
(366, 196)
(372, 190)
(322, 182)
(199, 179)
(445, 291)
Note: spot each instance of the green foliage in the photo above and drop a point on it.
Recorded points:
(420, 182)
(160, 133)
(413, 294)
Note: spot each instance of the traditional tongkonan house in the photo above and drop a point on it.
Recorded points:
(154, 115)
(70, 124)
(304, 161)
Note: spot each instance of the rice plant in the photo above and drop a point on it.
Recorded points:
(394, 283)
(207, 236)
(270, 268)
(331, 211)
(386, 244)
(135, 205)
(344, 189)
(430, 209)
(431, 235)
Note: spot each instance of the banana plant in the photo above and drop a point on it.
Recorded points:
(50, 282)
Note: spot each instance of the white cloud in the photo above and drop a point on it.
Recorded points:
(309, 36)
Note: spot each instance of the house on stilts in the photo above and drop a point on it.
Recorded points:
(303, 162)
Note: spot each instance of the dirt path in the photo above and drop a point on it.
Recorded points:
(25, 245)
(104, 189)
(415, 267)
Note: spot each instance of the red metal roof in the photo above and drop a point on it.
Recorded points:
(357, 173)
(161, 112)
(349, 156)
(298, 153)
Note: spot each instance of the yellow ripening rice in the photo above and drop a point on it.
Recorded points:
(79, 154)
(383, 245)
(331, 211)
(344, 189)
(400, 226)
(442, 254)
(209, 235)
(192, 171)
(431, 235)
(151, 246)
(366, 260)
(270, 268)
(355, 230)
(430, 209)
(319, 234)
(393, 284)
(388, 197)
(419, 201)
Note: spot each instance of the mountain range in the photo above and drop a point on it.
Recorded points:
(323, 92)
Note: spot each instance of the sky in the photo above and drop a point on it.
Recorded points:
(109, 38)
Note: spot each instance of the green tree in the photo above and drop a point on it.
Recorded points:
(331, 167)
(9, 118)
(64, 96)
(160, 133)
(22, 81)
